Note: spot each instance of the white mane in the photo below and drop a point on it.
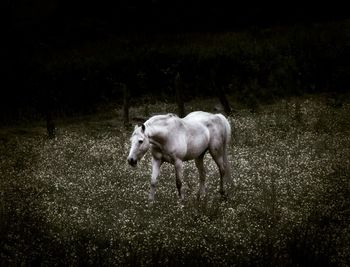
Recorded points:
(160, 125)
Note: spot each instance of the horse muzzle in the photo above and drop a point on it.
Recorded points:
(132, 162)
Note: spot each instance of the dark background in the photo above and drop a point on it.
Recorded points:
(72, 200)
(55, 53)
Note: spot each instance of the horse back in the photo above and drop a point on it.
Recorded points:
(217, 125)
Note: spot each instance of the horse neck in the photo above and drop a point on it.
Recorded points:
(157, 130)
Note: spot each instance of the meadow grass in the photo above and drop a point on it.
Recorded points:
(75, 201)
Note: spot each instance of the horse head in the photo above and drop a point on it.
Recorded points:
(139, 145)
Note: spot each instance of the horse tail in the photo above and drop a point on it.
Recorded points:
(227, 133)
(227, 141)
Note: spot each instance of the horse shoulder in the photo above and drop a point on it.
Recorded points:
(174, 139)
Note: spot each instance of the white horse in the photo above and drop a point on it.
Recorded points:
(176, 140)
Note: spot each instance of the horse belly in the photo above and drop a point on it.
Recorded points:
(197, 145)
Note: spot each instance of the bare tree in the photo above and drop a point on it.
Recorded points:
(179, 95)
(50, 124)
(126, 105)
(217, 84)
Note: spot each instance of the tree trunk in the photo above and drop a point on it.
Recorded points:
(217, 86)
(126, 105)
(50, 124)
(224, 102)
(179, 95)
(222, 97)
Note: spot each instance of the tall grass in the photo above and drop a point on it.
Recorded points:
(74, 201)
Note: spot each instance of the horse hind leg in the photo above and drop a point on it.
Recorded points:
(220, 159)
(201, 171)
(179, 174)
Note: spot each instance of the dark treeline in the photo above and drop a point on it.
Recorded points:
(65, 63)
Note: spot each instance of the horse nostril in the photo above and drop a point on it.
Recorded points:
(132, 162)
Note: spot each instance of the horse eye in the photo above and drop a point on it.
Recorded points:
(140, 141)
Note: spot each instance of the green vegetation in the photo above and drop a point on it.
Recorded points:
(74, 200)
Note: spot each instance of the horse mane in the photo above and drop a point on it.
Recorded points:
(160, 120)
(160, 117)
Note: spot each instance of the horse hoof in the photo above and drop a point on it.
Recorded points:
(200, 196)
(224, 195)
(181, 204)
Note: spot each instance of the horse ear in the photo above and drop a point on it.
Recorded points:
(136, 126)
(143, 127)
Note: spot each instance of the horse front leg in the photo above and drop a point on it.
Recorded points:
(156, 164)
(179, 174)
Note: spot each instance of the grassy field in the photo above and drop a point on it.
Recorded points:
(75, 201)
